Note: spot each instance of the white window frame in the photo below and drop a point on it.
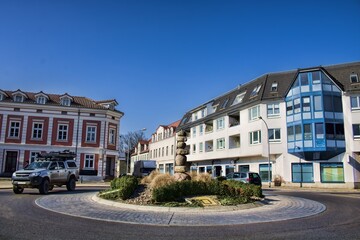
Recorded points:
(91, 133)
(203, 112)
(220, 123)
(357, 101)
(33, 156)
(62, 133)
(193, 148)
(273, 107)
(220, 143)
(254, 113)
(201, 129)
(239, 98)
(37, 131)
(18, 98)
(89, 161)
(201, 147)
(355, 76)
(41, 100)
(252, 136)
(112, 136)
(274, 130)
(255, 91)
(193, 132)
(66, 101)
(274, 87)
(14, 130)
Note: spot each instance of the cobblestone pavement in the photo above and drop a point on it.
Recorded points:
(87, 205)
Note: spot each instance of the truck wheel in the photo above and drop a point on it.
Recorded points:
(44, 187)
(71, 184)
(17, 189)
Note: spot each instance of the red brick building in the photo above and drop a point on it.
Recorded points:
(39, 122)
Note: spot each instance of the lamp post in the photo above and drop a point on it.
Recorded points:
(129, 147)
(268, 143)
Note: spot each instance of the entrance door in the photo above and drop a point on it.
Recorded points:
(110, 167)
(10, 162)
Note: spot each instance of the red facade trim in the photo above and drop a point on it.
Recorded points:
(43, 140)
(26, 158)
(9, 119)
(87, 123)
(56, 122)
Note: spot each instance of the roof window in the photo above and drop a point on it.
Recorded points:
(41, 100)
(255, 91)
(65, 101)
(239, 98)
(18, 98)
(274, 87)
(354, 78)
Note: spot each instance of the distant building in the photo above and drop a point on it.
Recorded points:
(40, 122)
(306, 121)
(162, 147)
(141, 152)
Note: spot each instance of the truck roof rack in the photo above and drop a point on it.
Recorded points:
(64, 155)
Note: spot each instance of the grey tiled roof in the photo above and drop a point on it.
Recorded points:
(340, 74)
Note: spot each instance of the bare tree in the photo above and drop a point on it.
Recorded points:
(130, 140)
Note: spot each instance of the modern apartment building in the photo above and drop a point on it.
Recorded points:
(41, 122)
(301, 125)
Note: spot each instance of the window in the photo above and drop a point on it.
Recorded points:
(194, 132)
(289, 107)
(33, 156)
(112, 136)
(62, 132)
(89, 161)
(264, 172)
(255, 91)
(14, 129)
(239, 98)
(318, 103)
(254, 113)
(339, 131)
(220, 143)
(274, 135)
(354, 78)
(1, 97)
(332, 172)
(172, 149)
(304, 79)
(65, 102)
(201, 147)
(90, 133)
(18, 98)
(194, 116)
(355, 103)
(220, 123)
(255, 137)
(273, 109)
(319, 130)
(194, 148)
(41, 100)
(302, 172)
(290, 132)
(162, 151)
(315, 77)
(203, 112)
(306, 104)
(167, 150)
(356, 131)
(244, 168)
(307, 132)
(201, 129)
(298, 133)
(37, 130)
(297, 105)
(274, 87)
(330, 131)
(223, 105)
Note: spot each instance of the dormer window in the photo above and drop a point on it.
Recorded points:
(18, 98)
(41, 100)
(223, 105)
(354, 78)
(274, 87)
(1, 97)
(65, 102)
(255, 91)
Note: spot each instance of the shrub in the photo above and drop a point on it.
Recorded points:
(203, 177)
(121, 188)
(150, 177)
(161, 180)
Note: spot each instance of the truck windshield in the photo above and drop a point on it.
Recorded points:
(37, 165)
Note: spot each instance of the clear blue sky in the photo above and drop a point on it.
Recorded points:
(160, 59)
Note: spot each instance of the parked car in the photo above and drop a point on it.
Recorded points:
(246, 177)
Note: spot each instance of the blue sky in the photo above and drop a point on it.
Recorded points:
(159, 59)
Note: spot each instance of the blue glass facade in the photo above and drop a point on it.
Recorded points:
(314, 116)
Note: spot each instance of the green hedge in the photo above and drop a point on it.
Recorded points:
(121, 188)
(224, 189)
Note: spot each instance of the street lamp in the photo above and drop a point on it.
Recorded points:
(268, 143)
(129, 147)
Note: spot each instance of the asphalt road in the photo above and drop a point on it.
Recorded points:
(20, 218)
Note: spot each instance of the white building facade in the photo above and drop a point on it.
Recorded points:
(301, 125)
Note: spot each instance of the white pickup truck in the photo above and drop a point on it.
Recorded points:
(49, 170)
